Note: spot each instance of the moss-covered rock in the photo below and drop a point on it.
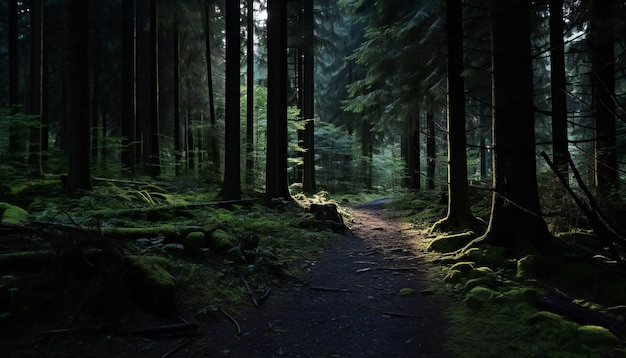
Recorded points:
(480, 276)
(478, 296)
(487, 255)
(12, 214)
(596, 336)
(194, 242)
(532, 266)
(151, 284)
(221, 241)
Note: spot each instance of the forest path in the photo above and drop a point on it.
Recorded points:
(347, 304)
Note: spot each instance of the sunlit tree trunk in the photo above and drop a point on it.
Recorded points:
(231, 189)
(78, 131)
(516, 220)
(602, 102)
(276, 183)
(459, 213)
(129, 94)
(557, 80)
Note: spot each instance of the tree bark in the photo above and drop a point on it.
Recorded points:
(276, 183)
(154, 147)
(516, 220)
(177, 139)
(231, 189)
(250, 96)
(214, 145)
(558, 90)
(308, 98)
(431, 151)
(602, 102)
(459, 212)
(36, 88)
(13, 32)
(129, 82)
(78, 129)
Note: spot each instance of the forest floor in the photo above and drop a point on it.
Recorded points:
(366, 294)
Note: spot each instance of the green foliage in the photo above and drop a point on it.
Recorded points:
(12, 214)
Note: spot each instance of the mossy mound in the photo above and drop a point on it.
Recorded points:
(479, 296)
(12, 214)
(151, 284)
(480, 276)
(194, 242)
(221, 241)
(532, 266)
(487, 255)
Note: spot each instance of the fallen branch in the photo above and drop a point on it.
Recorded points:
(252, 295)
(403, 315)
(177, 347)
(166, 329)
(232, 320)
(398, 268)
(329, 289)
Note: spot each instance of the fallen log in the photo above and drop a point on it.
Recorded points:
(580, 314)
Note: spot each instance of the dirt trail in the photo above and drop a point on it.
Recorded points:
(346, 305)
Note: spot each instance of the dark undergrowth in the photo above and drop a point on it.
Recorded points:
(498, 301)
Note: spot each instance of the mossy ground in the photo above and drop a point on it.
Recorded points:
(492, 310)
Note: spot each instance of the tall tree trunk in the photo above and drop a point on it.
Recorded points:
(516, 220)
(459, 212)
(13, 32)
(154, 147)
(232, 146)
(177, 140)
(36, 88)
(129, 81)
(431, 150)
(557, 79)
(308, 98)
(79, 170)
(213, 137)
(367, 153)
(250, 96)
(602, 102)
(276, 183)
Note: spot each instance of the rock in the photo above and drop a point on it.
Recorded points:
(326, 212)
(12, 214)
(193, 242)
(150, 283)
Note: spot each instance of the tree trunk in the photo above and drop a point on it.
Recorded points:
(367, 153)
(214, 145)
(177, 140)
(516, 219)
(154, 147)
(557, 78)
(250, 96)
(276, 184)
(13, 74)
(129, 94)
(459, 212)
(308, 98)
(36, 89)
(78, 131)
(431, 150)
(232, 146)
(602, 102)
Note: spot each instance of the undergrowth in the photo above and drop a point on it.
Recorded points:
(493, 297)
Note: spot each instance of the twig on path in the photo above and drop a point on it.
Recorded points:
(176, 348)
(403, 315)
(364, 269)
(398, 268)
(252, 295)
(166, 329)
(329, 289)
(233, 320)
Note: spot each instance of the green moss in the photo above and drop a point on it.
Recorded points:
(406, 292)
(487, 255)
(450, 243)
(194, 241)
(12, 214)
(479, 296)
(519, 294)
(221, 241)
(150, 282)
(597, 336)
(532, 266)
